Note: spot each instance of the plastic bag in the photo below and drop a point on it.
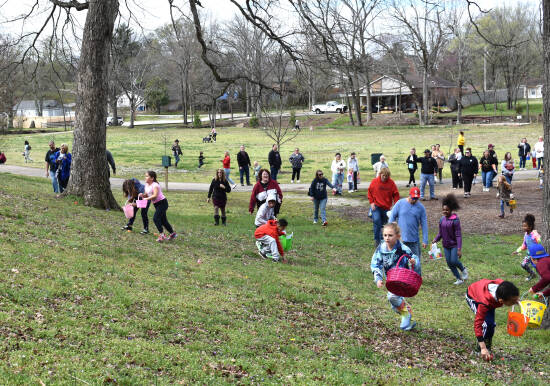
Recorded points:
(435, 252)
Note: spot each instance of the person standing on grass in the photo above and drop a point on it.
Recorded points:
(131, 190)
(524, 149)
(110, 162)
(51, 165)
(274, 159)
(451, 235)
(318, 194)
(428, 171)
(226, 162)
(296, 160)
(63, 160)
(440, 160)
(353, 172)
(27, 152)
(539, 152)
(468, 167)
(382, 194)
(488, 167)
(3, 159)
(379, 165)
(219, 187)
(411, 161)
(338, 168)
(410, 214)
(461, 141)
(454, 161)
(176, 151)
(265, 187)
(153, 193)
(243, 160)
(507, 167)
(213, 134)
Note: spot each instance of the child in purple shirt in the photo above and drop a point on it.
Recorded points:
(451, 236)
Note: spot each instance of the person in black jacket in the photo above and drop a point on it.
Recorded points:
(219, 187)
(275, 162)
(468, 170)
(244, 164)
(523, 150)
(318, 193)
(454, 160)
(411, 161)
(428, 171)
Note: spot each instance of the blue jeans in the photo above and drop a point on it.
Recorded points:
(508, 178)
(227, 172)
(177, 158)
(540, 162)
(395, 301)
(244, 171)
(522, 161)
(453, 262)
(379, 219)
(55, 184)
(427, 178)
(320, 204)
(415, 249)
(502, 206)
(337, 181)
(274, 172)
(487, 178)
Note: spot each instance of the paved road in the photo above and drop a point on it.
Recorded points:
(201, 187)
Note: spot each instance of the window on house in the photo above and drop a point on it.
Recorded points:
(533, 92)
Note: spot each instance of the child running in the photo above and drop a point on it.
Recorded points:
(484, 297)
(504, 193)
(219, 187)
(266, 211)
(318, 193)
(153, 192)
(385, 257)
(530, 237)
(267, 240)
(451, 235)
(131, 190)
(201, 159)
(541, 259)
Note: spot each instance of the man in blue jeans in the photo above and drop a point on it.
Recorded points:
(428, 171)
(274, 159)
(51, 166)
(409, 214)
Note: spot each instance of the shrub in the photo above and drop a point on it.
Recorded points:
(292, 119)
(519, 109)
(197, 120)
(254, 122)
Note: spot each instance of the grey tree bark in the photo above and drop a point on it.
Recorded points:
(89, 170)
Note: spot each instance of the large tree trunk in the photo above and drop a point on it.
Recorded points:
(89, 170)
(114, 109)
(356, 99)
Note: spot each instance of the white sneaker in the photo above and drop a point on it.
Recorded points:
(350, 191)
(291, 181)
(234, 186)
(298, 181)
(315, 221)
(458, 282)
(465, 274)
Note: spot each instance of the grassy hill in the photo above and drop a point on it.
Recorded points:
(83, 302)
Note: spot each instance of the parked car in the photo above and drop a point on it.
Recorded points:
(111, 121)
(329, 107)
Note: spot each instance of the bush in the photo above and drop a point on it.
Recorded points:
(292, 119)
(254, 122)
(197, 120)
(519, 109)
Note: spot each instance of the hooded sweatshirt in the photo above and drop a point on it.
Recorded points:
(383, 194)
(270, 229)
(383, 259)
(483, 292)
(449, 232)
(265, 212)
(260, 193)
(318, 188)
(543, 268)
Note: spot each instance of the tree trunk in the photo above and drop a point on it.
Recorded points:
(114, 109)
(89, 170)
(132, 112)
(425, 96)
(546, 127)
(356, 99)
(247, 91)
(182, 96)
(369, 98)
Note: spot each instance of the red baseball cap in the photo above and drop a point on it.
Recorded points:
(414, 192)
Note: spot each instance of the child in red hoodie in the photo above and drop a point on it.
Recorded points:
(541, 259)
(484, 297)
(267, 239)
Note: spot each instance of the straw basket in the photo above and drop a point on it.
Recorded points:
(402, 281)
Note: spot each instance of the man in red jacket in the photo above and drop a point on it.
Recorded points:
(484, 297)
(382, 194)
(267, 239)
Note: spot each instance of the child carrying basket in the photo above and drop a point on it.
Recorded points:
(396, 261)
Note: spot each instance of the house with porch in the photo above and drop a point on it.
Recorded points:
(532, 89)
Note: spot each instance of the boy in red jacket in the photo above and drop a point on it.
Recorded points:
(483, 297)
(267, 239)
(541, 259)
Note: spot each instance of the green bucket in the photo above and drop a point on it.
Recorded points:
(286, 242)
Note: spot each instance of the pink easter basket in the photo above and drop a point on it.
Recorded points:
(141, 204)
(403, 281)
(128, 210)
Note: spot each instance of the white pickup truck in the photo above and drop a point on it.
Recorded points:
(329, 107)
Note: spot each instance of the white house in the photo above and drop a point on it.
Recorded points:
(532, 89)
(124, 102)
(50, 108)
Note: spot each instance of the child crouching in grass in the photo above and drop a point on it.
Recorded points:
(484, 297)
(267, 240)
(385, 257)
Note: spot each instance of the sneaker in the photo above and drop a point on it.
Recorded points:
(144, 232)
(408, 185)
(411, 326)
(234, 186)
(291, 181)
(405, 320)
(325, 223)
(500, 216)
(465, 275)
(458, 282)
(126, 228)
(315, 221)
(242, 184)
(162, 238)
(298, 181)
(263, 255)
(454, 188)
(434, 198)
(465, 195)
(530, 277)
(172, 236)
(350, 191)
(511, 210)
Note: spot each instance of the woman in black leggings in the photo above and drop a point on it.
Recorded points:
(468, 170)
(411, 165)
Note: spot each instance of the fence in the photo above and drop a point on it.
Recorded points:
(488, 96)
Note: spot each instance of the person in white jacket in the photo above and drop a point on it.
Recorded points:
(539, 152)
(353, 172)
(266, 211)
(338, 169)
(379, 165)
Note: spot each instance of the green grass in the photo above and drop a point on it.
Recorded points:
(81, 301)
(535, 108)
(140, 149)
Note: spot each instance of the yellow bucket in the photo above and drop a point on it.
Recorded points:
(513, 203)
(534, 311)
